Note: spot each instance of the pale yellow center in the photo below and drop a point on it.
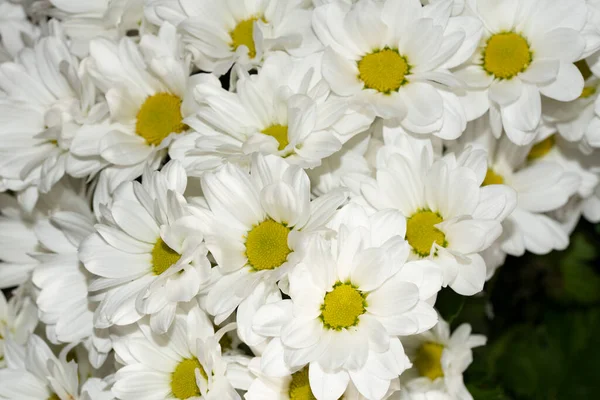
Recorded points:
(243, 34)
(183, 379)
(299, 388)
(342, 306)
(280, 133)
(542, 148)
(506, 55)
(266, 245)
(159, 116)
(492, 178)
(428, 361)
(383, 70)
(163, 257)
(421, 232)
(588, 91)
(53, 396)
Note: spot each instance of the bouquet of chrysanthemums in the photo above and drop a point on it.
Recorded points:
(262, 199)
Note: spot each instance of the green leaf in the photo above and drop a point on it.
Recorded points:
(487, 393)
(449, 304)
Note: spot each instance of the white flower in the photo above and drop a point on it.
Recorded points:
(439, 361)
(221, 33)
(541, 187)
(258, 221)
(35, 373)
(16, 31)
(285, 109)
(84, 20)
(393, 57)
(349, 300)
(18, 319)
(146, 89)
(48, 99)
(449, 218)
(184, 363)
(146, 228)
(528, 49)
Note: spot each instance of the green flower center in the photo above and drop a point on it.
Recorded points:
(163, 257)
(183, 379)
(429, 360)
(383, 70)
(299, 388)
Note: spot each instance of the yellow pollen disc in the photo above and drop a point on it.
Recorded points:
(588, 91)
(183, 380)
(266, 245)
(506, 54)
(421, 232)
(542, 148)
(242, 34)
(342, 306)
(53, 396)
(299, 388)
(492, 178)
(585, 70)
(280, 133)
(163, 257)
(159, 116)
(428, 361)
(383, 70)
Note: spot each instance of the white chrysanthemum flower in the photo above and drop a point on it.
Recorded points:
(184, 363)
(541, 187)
(18, 319)
(84, 20)
(439, 361)
(16, 31)
(285, 109)
(528, 49)
(449, 218)
(578, 120)
(257, 223)
(393, 57)
(350, 299)
(294, 386)
(48, 99)
(221, 33)
(148, 229)
(147, 89)
(35, 373)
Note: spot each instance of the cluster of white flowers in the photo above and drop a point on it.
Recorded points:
(261, 199)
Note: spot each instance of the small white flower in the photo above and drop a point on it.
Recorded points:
(18, 319)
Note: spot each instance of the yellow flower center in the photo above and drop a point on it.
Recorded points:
(588, 91)
(159, 116)
(266, 245)
(428, 361)
(53, 396)
(383, 70)
(299, 388)
(542, 148)
(506, 55)
(243, 34)
(183, 379)
(421, 232)
(342, 306)
(584, 68)
(280, 133)
(163, 257)
(492, 178)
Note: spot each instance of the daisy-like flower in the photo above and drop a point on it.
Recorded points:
(286, 109)
(449, 218)
(146, 89)
(148, 229)
(295, 386)
(350, 299)
(257, 224)
(84, 20)
(393, 58)
(18, 319)
(219, 34)
(16, 31)
(34, 373)
(541, 187)
(48, 99)
(578, 120)
(528, 49)
(439, 361)
(185, 363)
